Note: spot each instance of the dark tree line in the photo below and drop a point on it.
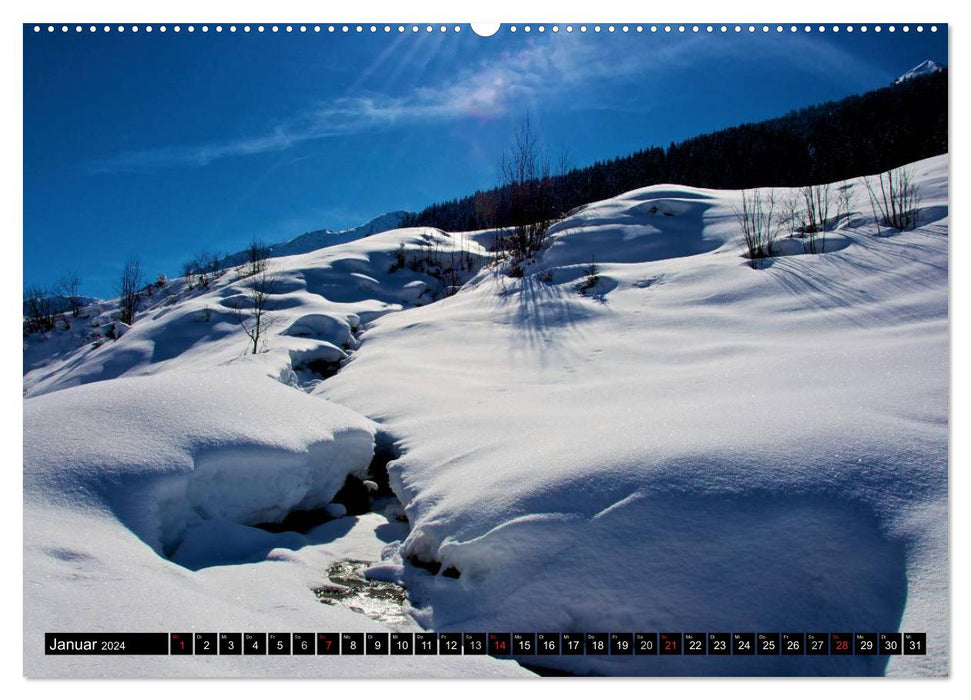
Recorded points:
(855, 136)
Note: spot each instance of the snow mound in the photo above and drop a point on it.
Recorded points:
(653, 223)
(166, 454)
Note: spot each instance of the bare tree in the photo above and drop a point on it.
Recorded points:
(128, 288)
(69, 286)
(816, 199)
(756, 219)
(873, 202)
(252, 316)
(526, 185)
(256, 254)
(895, 195)
(564, 161)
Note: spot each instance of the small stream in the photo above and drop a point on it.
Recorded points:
(346, 584)
(385, 602)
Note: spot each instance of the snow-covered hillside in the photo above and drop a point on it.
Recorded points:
(318, 302)
(642, 433)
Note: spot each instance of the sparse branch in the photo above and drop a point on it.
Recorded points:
(844, 201)
(69, 286)
(896, 197)
(131, 282)
(253, 317)
(816, 199)
(201, 270)
(789, 213)
(529, 204)
(756, 218)
(256, 254)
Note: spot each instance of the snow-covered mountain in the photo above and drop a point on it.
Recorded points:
(643, 432)
(322, 238)
(314, 240)
(923, 68)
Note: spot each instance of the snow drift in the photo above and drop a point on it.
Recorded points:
(169, 454)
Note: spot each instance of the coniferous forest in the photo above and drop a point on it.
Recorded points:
(855, 136)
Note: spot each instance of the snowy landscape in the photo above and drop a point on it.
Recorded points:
(643, 427)
(567, 330)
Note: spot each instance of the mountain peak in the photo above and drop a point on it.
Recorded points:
(325, 237)
(923, 68)
(322, 238)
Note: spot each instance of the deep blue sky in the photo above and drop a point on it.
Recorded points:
(165, 144)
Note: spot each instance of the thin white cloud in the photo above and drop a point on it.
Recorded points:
(488, 90)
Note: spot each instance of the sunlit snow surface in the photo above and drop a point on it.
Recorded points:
(689, 444)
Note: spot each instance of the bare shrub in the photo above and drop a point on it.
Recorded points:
(450, 267)
(789, 213)
(591, 280)
(895, 196)
(256, 254)
(201, 270)
(844, 200)
(756, 219)
(128, 288)
(400, 259)
(39, 313)
(253, 315)
(188, 273)
(816, 199)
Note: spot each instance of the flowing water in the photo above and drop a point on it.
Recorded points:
(385, 602)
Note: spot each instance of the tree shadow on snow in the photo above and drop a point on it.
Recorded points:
(821, 281)
(545, 316)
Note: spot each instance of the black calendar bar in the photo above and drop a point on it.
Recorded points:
(382, 644)
(106, 644)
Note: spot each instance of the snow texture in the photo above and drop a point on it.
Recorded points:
(687, 443)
